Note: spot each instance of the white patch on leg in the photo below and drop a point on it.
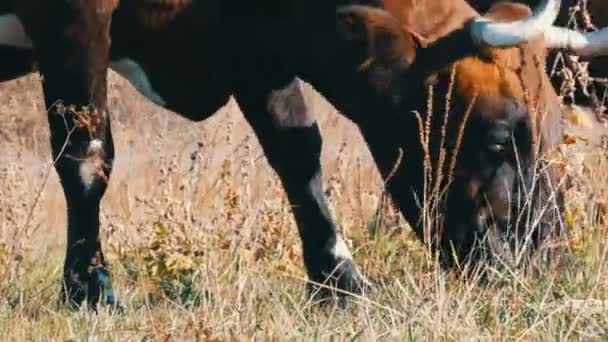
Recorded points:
(341, 254)
(92, 166)
(133, 72)
(87, 174)
(340, 250)
(95, 146)
(12, 32)
(289, 108)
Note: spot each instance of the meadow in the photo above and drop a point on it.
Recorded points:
(202, 245)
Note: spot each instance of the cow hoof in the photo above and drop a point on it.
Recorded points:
(342, 284)
(96, 290)
(102, 283)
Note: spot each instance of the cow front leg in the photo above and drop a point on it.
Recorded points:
(82, 146)
(291, 140)
(72, 44)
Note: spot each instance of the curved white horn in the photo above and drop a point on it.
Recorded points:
(583, 44)
(487, 32)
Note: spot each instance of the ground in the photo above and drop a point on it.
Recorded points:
(202, 245)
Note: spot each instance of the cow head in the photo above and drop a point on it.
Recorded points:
(486, 119)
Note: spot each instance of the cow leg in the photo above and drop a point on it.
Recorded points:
(72, 47)
(398, 157)
(84, 159)
(291, 140)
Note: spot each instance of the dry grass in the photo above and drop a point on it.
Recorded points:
(202, 244)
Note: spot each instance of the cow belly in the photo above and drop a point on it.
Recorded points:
(191, 82)
(199, 106)
(190, 90)
(183, 58)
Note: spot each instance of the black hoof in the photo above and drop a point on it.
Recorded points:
(103, 285)
(96, 289)
(340, 285)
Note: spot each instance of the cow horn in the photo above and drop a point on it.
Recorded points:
(583, 44)
(499, 34)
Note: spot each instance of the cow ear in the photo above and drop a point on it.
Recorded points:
(376, 30)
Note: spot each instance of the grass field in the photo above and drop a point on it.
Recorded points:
(202, 245)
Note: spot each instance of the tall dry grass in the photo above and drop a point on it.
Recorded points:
(202, 245)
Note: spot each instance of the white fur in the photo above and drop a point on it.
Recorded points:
(340, 250)
(95, 145)
(87, 174)
(12, 32)
(91, 165)
(505, 34)
(289, 108)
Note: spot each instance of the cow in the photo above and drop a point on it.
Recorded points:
(586, 15)
(373, 61)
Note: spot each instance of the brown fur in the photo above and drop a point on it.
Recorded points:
(86, 58)
(372, 68)
(504, 86)
(597, 17)
(430, 19)
(156, 14)
(384, 35)
(493, 73)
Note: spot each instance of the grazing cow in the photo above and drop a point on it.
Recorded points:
(583, 14)
(367, 61)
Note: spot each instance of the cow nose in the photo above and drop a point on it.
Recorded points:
(498, 138)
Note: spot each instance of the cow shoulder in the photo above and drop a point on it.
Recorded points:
(387, 42)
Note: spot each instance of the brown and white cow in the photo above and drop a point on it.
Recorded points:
(373, 63)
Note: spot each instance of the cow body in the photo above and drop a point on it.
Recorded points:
(200, 58)
(367, 61)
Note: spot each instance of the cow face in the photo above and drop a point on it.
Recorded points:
(491, 182)
(477, 151)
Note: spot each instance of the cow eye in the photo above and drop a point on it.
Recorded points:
(496, 148)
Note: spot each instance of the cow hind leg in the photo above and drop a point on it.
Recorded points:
(292, 142)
